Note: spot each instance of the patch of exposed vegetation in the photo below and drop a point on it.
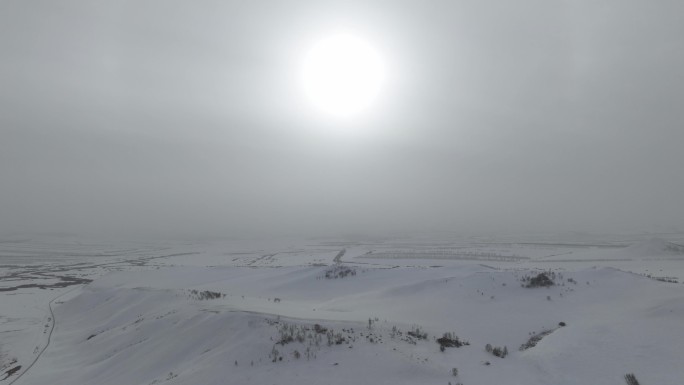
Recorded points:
(339, 271)
(308, 339)
(543, 279)
(320, 329)
(662, 279)
(417, 333)
(534, 339)
(497, 350)
(7, 362)
(205, 295)
(450, 340)
(294, 341)
(10, 372)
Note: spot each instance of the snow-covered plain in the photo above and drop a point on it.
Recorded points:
(327, 311)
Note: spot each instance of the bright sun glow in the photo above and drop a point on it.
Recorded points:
(342, 75)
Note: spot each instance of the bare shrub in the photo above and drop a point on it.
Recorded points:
(631, 379)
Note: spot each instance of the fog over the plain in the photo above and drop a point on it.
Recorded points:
(187, 117)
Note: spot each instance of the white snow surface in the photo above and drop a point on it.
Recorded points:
(144, 318)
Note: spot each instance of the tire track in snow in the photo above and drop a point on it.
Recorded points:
(338, 257)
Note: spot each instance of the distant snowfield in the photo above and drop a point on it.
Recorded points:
(340, 312)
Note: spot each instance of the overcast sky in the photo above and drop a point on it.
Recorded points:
(187, 117)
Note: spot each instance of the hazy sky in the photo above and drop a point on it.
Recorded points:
(501, 116)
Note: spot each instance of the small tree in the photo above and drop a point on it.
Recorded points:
(275, 354)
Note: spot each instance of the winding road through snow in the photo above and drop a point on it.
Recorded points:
(49, 335)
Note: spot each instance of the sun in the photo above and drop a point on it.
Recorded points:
(342, 75)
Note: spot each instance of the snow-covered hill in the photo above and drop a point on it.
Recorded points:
(654, 247)
(153, 327)
(326, 312)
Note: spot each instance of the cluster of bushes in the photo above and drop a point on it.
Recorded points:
(299, 333)
(497, 350)
(544, 279)
(535, 338)
(339, 271)
(663, 279)
(320, 329)
(290, 333)
(396, 333)
(312, 337)
(335, 338)
(205, 295)
(417, 333)
(450, 340)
